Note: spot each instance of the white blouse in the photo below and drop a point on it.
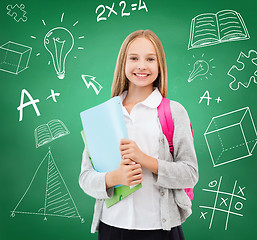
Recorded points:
(140, 210)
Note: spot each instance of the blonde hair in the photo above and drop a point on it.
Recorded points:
(120, 82)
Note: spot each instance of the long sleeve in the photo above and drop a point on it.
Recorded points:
(91, 181)
(182, 171)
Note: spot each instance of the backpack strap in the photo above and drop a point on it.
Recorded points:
(167, 124)
(166, 121)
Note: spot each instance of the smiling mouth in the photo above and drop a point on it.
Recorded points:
(141, 74)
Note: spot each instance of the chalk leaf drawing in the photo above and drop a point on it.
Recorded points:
(231, 136)
(247, 73)
(14, 57)
(209, 29)
(224, 202)
(47, 193)
(17, 12)
(48, 132)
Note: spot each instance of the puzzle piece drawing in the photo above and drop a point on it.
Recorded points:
(247, 73)
(17, 12)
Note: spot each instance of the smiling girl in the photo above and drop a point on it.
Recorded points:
(157, 210)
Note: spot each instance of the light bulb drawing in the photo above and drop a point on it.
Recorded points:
(59, 43)
(201, 68)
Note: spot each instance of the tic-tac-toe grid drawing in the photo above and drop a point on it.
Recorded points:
(229, 203)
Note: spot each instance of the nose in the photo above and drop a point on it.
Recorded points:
(141, 64)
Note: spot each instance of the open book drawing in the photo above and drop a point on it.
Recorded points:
(209, 29)
(48, 132)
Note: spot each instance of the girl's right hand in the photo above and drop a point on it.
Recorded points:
(128, 173)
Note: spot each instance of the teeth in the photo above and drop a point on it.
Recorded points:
(141, 75)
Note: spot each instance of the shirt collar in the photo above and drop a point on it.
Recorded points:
(152, 101)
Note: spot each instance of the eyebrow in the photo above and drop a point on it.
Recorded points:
(146, 54)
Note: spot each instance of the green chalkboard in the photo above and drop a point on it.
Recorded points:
(212, 66)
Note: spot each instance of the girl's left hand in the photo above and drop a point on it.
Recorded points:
(130, 150)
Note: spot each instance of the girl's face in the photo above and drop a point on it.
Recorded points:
(142, 67)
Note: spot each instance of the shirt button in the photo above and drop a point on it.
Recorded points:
(162, 193)
(163, 220)
(162, 140)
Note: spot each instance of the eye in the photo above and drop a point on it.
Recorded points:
(151, 59)
(133, 58)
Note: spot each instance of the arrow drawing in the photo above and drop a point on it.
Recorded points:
(92, 82)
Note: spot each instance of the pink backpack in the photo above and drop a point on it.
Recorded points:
(167, 124)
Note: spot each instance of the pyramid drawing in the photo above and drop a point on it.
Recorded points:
(47, 193)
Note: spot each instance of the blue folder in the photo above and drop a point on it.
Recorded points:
(104, 126)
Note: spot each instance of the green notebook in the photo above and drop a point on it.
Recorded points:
(120, 191)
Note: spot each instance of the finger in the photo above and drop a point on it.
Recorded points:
(125, 141)
(127, 157)
(125, 152)
(134, 174)
(137, 171)
(135, 166)
(130, 156)
(126, 161)
(124, 147)
(132, 162)
(136, 177)
(135, 182)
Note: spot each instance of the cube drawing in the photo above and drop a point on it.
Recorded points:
(14, 57)
(231, 136)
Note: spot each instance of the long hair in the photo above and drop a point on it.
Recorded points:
(120, 82)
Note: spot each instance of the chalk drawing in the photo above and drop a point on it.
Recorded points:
(51, 195)
(31, 101)
(201, 68)
(17, 12)
(231, 136)
(46, 133)
(247, 73)
(209, 29)
(224, 202)
(206, 96)
(218, 100)
(14, 57)
(124, 10)
(59, 42)
(53, 95)
(90, 81)
(58, 47)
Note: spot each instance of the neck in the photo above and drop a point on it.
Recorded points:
(138, 94)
